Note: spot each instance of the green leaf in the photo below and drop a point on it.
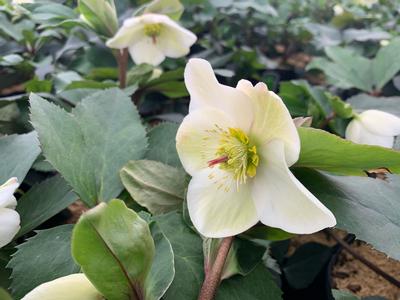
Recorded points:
(90, 145)
(364, 206)
(42, 202)
(171, 8)
(38, 86)
(4, 295)
(115, 250)
(17, 154)
(259, 284)
(188, 256)
(343, 295)
(42, 258)
(386, 64)
(324, 151)
(162, 271)
(162, 145)
(158, 187)
(262, 232)
(363, 102)
(101, 15)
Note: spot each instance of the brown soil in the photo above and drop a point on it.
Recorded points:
(351, 275)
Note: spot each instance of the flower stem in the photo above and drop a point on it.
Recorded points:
(213, 277)
(122, 60)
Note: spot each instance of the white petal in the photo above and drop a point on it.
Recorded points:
(146, 51)
(6, 193)
(175, 41)
(9, 225)
(380, 122)
(216, 207)
(359, 134)
(272, 119)
(196, 141)
(282, 201)
(131, 32)
(205, 91)
(75, 286)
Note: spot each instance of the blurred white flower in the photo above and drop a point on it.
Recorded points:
(22, 1)
(9, 218)
(374, 127)
(384, 43)
(238, 144)
(338, 9)
(75, 286)
(152, 37)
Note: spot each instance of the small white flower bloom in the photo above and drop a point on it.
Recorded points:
(9, 218)
(238, 144)
(374, 127)
(152, 37)
(338, 9)
(75, 286)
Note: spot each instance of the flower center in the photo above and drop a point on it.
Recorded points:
(153, 30)
(236, 154)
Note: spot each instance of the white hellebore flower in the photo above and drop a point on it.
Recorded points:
(238, 144)
(374, 127)
(22, 1)
(152, 37)
(9, 218)
(75, 286)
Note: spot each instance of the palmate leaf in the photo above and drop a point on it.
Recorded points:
(92, 143)
(363, 102)
(367, 207)
(325, 151)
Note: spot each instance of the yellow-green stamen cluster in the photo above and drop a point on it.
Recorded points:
(241, 156)
(153, 30)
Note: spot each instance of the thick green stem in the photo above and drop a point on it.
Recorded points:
(213, 277)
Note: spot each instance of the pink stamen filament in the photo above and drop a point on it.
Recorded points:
(217, 161)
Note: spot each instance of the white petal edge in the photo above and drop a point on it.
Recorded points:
(357, 133)
(195, 144)
(145, 51)
(9, 225)
(217, 209)
(75, 286)
(7, 191)
(206, 91)
(380, 122)
(130, 33)
(272, 119)
(282, 201)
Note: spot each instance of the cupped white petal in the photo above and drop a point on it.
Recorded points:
(130, 33)
(198, 138)
(272, 119)
(217, 207)
(380, 122)
(6, 193)
(145, 51)
(281, 200)
(206, 91)
(9, 225)
(358, 133)
(74, 286)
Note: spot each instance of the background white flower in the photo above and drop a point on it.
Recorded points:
(152, 37)
(374, 127)
(238, 144)
(71, 287)
(9, 218)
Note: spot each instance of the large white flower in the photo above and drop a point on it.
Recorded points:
(238, 144)
(9, 218)
(75, 286)
(374, 127)
(152, 37)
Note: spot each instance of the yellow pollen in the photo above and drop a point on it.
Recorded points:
(236, 154)
(153, 30)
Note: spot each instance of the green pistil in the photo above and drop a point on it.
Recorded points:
(153, 30)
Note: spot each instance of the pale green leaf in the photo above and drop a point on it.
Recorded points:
(92, 143)
(158, 187)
